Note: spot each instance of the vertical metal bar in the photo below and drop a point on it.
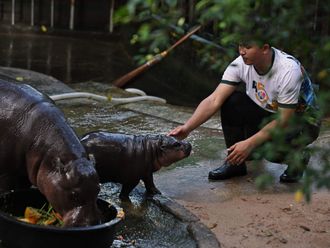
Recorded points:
(1, 10)
(72, 14)
(32, 12)
(52, 13)
(112, 6)
(68, 63)
(49, 58)
(12, 12)
(29, 55)
(10, 53)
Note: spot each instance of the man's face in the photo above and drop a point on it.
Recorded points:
(250, 53)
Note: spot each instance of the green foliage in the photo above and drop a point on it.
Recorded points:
(299, 27)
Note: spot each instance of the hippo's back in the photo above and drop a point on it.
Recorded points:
(17, 99)
(33, 129)
(117, 146)
(116, 155)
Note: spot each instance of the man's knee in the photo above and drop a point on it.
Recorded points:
(232, 113)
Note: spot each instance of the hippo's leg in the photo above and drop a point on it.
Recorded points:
(126, 189)
(150, 185)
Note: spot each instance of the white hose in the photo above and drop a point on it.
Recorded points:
(136, 91)
(78, 95)
(104, 98)
(137, 98)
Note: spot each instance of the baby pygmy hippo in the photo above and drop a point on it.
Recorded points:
(127, 159)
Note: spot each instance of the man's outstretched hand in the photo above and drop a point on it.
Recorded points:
(179, 132)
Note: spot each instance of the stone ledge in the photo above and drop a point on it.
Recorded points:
(203, 236)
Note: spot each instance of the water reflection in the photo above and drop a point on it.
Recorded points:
(68, 59)
(68, 63)
(9, 54)
(49, 59)
(28, 55)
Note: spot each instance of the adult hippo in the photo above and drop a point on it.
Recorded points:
(38, 147)
(127, 159)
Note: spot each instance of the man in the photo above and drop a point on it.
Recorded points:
(275, 83)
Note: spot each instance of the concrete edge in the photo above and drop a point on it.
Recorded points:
(203, 236)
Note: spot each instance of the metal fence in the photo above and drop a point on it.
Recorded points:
(64, 14)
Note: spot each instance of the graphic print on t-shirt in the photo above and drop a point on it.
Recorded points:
(261, 94)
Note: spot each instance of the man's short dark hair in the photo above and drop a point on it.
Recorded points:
(258, 31)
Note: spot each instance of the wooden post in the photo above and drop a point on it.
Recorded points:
(12, 12)
(72, 2)
(112, 6)
(52, 13)
(32, 12)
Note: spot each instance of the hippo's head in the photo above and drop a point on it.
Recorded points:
(72, 190)
(170, 150)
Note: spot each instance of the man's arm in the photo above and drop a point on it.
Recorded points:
(205, 110)
(240, 151)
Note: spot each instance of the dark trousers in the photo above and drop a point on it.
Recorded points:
(241, 118)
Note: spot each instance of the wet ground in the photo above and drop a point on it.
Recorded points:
(146, 224)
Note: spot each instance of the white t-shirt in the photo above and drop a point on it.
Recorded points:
(281, 86)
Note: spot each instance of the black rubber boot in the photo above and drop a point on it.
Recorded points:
(293, 175)
(227, 171)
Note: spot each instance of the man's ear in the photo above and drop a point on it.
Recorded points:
(266, 48)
